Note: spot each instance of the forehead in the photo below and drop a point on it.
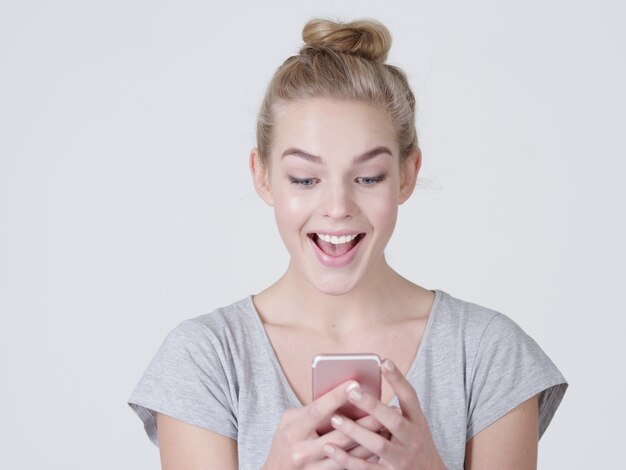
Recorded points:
(322, 125)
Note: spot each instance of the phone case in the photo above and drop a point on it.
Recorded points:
(330, 370)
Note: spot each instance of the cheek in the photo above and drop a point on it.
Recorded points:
(382, 211)
(290, 211)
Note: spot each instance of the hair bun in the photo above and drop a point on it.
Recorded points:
(367, 38)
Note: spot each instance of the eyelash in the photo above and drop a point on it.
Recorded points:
(374, 180)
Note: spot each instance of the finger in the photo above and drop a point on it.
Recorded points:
(359, 452)
(374, 442)
(343, 441)
(347, 461)
(397, 424)
(407, 396)
(322, 407)
(370, 422)
(354, 449)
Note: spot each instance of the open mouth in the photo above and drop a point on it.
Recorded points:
(337, 246)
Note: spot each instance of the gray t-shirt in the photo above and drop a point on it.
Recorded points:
(220, 372)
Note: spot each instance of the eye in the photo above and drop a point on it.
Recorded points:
(304, 182)
(370, 180)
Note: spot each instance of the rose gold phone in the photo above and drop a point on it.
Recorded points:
(329, 370)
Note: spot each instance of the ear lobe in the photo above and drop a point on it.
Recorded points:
(408, 174)
(260, 177)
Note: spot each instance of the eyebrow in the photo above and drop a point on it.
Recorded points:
(358, 159)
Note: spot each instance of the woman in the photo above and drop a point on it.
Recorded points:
(464, 386)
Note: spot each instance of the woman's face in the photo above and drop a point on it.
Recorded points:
(335, 184)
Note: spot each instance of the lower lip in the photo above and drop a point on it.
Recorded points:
(336, 261)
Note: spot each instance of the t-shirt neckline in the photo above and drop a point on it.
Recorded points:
(292, 394)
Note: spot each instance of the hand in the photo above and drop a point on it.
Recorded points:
(411, 444)
(296, 444)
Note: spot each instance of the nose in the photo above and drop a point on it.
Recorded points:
(339, 203)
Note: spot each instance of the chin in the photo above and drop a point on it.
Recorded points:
(333, 288)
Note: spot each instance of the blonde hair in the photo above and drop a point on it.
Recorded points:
(344, 61)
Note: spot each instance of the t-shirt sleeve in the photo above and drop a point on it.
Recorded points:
(187, 380)
(510, 368)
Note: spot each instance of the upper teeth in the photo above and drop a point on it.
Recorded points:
(337, 240)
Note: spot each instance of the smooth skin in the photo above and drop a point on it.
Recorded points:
(336, 193)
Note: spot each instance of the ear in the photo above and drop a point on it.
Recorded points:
(408, 174)
(260, 177)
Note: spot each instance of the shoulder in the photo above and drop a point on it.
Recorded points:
(221, 321)
(482, 329)
(226, 315)
(218, 334)
(468, 320)
(193, 377)
(483, 362)
(481, 335)
(502, 365)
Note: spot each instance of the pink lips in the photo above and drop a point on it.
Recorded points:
(335, 261)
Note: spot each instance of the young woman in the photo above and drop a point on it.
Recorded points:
(463, 385)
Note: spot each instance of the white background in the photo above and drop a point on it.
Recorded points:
(126, 203)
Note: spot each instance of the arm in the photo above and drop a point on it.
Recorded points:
(187, 447)
(510, 442)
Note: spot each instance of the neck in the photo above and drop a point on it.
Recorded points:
(375, 302)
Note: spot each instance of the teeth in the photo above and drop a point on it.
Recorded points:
(337, 240)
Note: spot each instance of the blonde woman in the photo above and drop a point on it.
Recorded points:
(463, 386)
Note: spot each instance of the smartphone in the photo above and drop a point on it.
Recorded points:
(330, 370)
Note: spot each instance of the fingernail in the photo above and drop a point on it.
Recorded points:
(355, 394)
(329, 449)
(351, 385)
(388, 365)
(336, 420)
